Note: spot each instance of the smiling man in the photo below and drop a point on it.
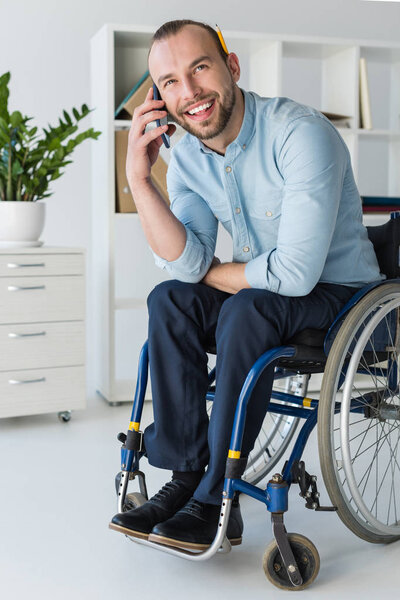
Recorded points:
(278, 176)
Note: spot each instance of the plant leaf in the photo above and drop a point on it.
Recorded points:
(4, 93)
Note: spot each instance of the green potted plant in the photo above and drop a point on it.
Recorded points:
(29, 162)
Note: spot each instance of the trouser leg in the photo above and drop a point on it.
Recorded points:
(182, 317)
(251, 322)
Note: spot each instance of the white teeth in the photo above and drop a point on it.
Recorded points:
(199, 108)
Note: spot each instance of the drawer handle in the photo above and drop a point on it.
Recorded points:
(18, 288)
(18, 381)
(23, 335)
(20, 266)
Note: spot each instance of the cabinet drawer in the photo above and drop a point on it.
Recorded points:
(21, 265)
(38, 391)
(36, 345)
(35, 299)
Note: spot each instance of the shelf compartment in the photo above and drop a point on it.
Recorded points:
(384, 154)
(135, 271)
(321, 75)
(383, 71)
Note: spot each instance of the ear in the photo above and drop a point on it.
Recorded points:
(234, 66)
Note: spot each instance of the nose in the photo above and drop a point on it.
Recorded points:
(190, 89)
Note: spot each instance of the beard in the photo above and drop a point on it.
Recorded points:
(201, 129)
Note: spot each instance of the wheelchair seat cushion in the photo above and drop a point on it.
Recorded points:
(309, 337)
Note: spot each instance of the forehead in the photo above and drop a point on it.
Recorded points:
(177, 51)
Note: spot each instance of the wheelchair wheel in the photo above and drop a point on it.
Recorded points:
(359, 418)
(134, 500)
(307, 559)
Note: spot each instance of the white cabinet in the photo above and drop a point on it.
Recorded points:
(42, 330)
(321, 72)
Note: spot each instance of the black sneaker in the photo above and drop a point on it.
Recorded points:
(195, 526)
(139, 521)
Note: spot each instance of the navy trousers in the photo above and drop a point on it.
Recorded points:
(184, 318)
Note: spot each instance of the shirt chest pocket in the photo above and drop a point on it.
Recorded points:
(266, 206)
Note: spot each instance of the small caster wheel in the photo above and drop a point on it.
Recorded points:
(134, 500)
(307, 559)
(64, 416)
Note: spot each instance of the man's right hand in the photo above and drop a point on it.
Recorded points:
(144, 146)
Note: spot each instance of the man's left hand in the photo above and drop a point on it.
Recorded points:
(227, 277)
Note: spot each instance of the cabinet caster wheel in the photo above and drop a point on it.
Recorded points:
(64, 416)
(307, 559)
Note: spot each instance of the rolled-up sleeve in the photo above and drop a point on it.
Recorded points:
(201, 228)
(312, 160)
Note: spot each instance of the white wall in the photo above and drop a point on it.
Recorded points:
(45, 45)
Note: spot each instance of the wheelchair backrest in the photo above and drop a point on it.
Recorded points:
(386, 241)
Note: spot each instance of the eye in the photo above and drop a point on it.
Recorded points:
(201, 67)
(168, 82)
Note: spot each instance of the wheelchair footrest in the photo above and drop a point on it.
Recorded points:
(308, 487)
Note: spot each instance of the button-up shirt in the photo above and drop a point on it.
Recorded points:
(285, 192)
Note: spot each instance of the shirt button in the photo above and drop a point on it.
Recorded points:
(237, 210)
(268, 213)
(244, 146)
(228, 169)
(246, 249)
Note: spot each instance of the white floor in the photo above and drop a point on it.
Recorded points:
(57, 497)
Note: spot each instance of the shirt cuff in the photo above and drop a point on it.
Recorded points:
(258, 275)
(189, 255)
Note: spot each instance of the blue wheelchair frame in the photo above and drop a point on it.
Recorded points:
(275, 496)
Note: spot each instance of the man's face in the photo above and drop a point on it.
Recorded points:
(191, 75)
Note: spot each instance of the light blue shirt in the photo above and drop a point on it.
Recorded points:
(284, 191)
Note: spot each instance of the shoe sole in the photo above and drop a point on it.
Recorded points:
(130, 532)
(165, 541)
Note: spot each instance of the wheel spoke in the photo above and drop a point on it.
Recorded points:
(364, 475)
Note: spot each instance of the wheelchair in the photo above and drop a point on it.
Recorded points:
(357, 417)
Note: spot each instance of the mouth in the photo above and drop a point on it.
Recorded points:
(202, 111)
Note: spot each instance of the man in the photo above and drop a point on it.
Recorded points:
(278, 176)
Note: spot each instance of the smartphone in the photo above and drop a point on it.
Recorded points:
(164, 121)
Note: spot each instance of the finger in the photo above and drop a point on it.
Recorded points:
(149, 94)
(139, 125)
(152, 116)
(171, 129)
(147, 107)
(153, 134)
(158, 142)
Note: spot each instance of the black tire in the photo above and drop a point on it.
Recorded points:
(307, 559)
(134, 500)
(354, 434)
(64, 416)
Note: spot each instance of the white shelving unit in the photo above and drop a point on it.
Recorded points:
(320, 72)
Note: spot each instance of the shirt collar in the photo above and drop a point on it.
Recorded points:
(247, 129)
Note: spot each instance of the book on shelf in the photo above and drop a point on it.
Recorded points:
(380, 204)
(365, 104)
(337, 119)
(134, 98)
(380, 209)
(381, 201)
(124, 199)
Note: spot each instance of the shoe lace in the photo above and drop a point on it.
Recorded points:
(166, 490)
(194, 506)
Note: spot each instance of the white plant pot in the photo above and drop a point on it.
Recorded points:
(21, 223)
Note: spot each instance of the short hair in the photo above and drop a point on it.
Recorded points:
(173, 27)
